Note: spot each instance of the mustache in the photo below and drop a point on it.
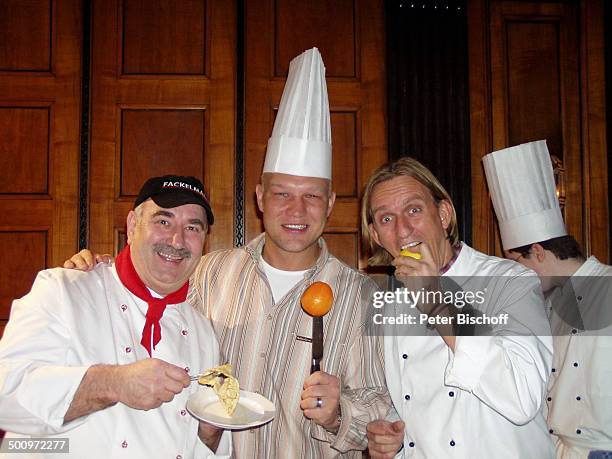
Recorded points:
(165, 249)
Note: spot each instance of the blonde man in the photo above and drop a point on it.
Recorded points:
(454, 396)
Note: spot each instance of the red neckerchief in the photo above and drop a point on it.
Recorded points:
(130, 278)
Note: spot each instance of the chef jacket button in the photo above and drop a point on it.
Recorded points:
(578, 398)
(124, 307)
(178, 456)
(407, 397)
(578, 431)
(579, 297)
(411, 444)
(184, 332)
(553, 370)
(550, 431)
(128, 349)
(549, 399)
(574, 331)
(451, 394)
(269, 316)
(263, 355)
(404, 356)
(124, 444)
(183, 412)
(575, 364)
(452, 442)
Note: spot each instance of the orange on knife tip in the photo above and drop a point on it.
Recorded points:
(317, 299)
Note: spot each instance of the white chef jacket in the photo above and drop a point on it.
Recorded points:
(71, 320)
(484, 400)
(580, 389)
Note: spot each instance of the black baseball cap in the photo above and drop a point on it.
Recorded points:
(175, 190)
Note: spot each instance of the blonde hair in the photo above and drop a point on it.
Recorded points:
(408, 167)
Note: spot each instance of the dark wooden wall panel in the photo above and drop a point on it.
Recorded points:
(350, 36)
(164, 37)
(25, 35)
(149, 123)
(344, 144)
(23, 143)
(524, 107)
(27, 251)
(160, 142)
(596, 155)
(40, 81)
(345, 246)
(332, 24)
(534, 106)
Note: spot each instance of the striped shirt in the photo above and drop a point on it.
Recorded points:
(268, 345)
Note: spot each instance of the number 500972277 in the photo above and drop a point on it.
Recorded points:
(34, 445)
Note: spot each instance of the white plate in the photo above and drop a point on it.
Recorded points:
(252, 410)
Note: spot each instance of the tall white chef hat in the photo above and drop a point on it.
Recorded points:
(301, 139)
(522, 187)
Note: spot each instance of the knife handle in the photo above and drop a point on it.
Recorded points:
(317, 344)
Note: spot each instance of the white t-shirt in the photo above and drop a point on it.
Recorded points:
(281, 281)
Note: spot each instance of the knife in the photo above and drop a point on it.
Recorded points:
(317, 344)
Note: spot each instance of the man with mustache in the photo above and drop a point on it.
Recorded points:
(102, 358)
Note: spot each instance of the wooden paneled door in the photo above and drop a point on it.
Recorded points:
(537, 72)
(163, 102)
(350, 36)
(40, 81)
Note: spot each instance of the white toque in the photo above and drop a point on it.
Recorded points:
(522, 187)
(301, 139)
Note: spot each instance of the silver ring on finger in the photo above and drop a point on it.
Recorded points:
(319, 402)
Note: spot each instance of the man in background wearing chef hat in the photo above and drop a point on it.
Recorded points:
(578, 294)
(252, 295)
(455, 396)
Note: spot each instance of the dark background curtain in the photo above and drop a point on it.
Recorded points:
(427, 93)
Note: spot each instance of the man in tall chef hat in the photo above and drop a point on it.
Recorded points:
(578, 295)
